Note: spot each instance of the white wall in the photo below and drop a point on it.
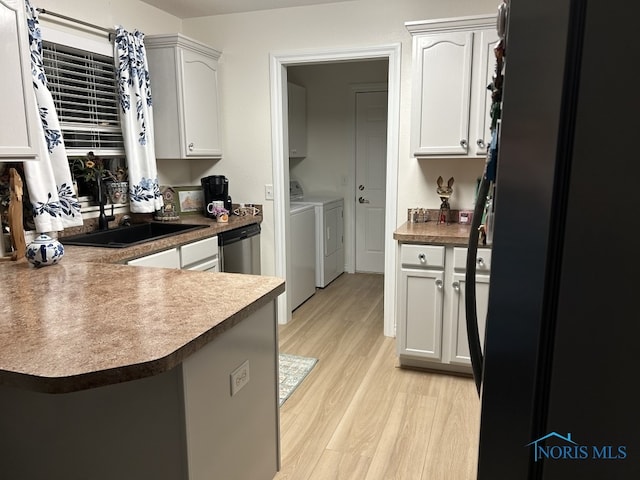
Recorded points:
(131, 14)
(247, 39)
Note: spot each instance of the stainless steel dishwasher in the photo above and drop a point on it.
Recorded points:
(240, 250)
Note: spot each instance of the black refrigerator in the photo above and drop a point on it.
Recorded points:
(561, 362)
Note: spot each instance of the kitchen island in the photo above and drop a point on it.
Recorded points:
(110, 371)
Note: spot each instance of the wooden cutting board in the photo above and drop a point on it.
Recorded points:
(16, 226)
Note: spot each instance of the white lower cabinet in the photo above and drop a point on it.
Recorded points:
(201, 255)
(420, 301)
(431, 317)
(165, 259)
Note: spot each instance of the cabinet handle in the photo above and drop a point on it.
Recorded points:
(190, 147)
(456, 286)
(464, 144)
(480, 262)
(481, 143)
(422, 257)
(439, 284)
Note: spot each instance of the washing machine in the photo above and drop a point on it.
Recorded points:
(329, 231)
(302, 227)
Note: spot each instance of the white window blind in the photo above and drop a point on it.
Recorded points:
(85, 94)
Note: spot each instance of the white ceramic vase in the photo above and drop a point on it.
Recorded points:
(44, 250)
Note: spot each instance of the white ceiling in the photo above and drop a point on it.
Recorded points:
(203, 8)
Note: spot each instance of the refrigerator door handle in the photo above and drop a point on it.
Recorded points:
(473, 334)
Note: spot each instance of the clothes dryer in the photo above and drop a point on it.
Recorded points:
(329, 231)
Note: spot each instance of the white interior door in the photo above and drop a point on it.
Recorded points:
(371, 152)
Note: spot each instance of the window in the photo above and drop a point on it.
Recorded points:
(85, 94)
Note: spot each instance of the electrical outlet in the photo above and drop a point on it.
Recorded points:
(239, 377)
(268, 192)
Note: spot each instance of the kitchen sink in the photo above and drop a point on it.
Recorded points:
(127, 236)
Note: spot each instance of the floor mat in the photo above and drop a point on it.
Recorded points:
(293, 370)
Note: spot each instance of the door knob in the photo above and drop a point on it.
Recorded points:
(464, 144)
(363, 200)
(190, 146)
(361, 187)
(481, 143)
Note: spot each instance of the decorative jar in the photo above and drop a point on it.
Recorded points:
(44, 250)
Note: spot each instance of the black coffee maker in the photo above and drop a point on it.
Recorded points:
(215, 188)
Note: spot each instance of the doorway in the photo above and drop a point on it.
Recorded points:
(345, 145)
(279, 64)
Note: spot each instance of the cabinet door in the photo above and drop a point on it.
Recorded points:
(460, 344)
(18, 119)
(211, 265)
(441, 93)
(200, 94)
(199, 252)
(420, 313)
(165, 259)
(297, 121)
(483, 69)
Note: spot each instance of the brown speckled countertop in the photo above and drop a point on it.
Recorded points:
(79, 325)
(432, 232)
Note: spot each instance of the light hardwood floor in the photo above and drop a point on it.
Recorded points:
(357, 415)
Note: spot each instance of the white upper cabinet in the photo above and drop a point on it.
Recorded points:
(184, 86)
(19, 115)
(453, 63)
(297, 120)
(484, 68)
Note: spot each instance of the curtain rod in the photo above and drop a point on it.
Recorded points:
(110, 31)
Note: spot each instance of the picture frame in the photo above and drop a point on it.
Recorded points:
(190, 200)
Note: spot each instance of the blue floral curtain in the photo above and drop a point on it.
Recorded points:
(55, 205)
(136, 120)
